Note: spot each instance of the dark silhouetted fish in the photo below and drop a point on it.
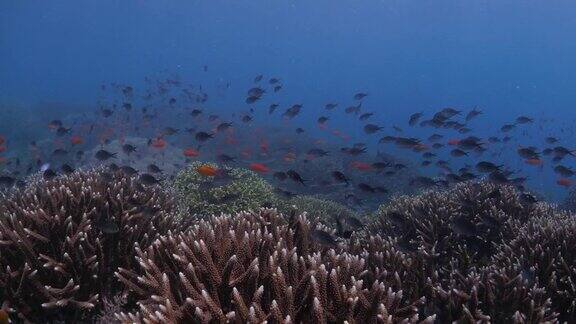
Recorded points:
(292, 111)
(148, 179)
(66, 169)
(324, 238)
(371, 128)
(365, 116)
(340, 177)
(413, 120)
(272, 108)
(128, 149)
(473, 114)
(128, 170)
(7, 181)
(330, 106)
(295, 176)
(49, 174)
(203, 136)
(104, 155)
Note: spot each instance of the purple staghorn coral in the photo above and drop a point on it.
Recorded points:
(454, 243)
(256, 267)
(61, 241)
(100, 247)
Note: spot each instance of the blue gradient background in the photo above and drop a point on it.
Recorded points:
(506, 57)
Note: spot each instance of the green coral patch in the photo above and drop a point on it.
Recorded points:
(231, 191)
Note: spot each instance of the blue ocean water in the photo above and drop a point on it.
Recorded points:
(508, 58)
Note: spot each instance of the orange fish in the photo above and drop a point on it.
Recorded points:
(454, 142)
(76, 140)
(564, 182)
(2, 140)
(191, 153)
(207, 171)
(2, 148)
(158, 143)
(259, 168)
(361, 166)
(534, 162)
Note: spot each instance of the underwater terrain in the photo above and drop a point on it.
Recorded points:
(291, 162)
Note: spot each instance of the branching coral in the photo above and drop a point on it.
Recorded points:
(569, 202)
(232, 191)
(451, 236)
(543, 255)
(255, 267)
(98, 242)
(61, 241)
(457, 228)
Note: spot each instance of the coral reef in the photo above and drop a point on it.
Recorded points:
(458, 227)
(235, 190)
(543, 256)
(96, 246)
(457, 244)
(325, 211)
(569, 202)
(61, 241)
(256, 267)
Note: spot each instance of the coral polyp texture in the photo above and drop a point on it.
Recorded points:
(543, 256)
(256, 267)
(97, 246)
(471, 247)
(230, 191)
(61, 241)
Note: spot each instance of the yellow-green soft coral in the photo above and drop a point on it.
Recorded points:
(232, 191)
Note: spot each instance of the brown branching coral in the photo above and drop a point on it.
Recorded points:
(454, 228)
(569, 203)
(62, 240)
(449, 239)
(96, 242)
(492, 295)
(543, 255)
(256, 267)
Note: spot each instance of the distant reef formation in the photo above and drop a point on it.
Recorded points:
(101, 246)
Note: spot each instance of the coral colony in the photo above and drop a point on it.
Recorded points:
(101, 246)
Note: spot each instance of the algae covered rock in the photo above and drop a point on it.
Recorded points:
(228, 190)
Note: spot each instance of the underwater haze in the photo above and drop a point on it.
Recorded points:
(508, 58)
(287, 161)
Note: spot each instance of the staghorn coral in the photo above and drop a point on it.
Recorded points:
(475, 253)
(255, 267)
(493, 295)
(447, 240)
(454, 228)
(61, 241)
(569, 203)
(203, 196)
(543, 256)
